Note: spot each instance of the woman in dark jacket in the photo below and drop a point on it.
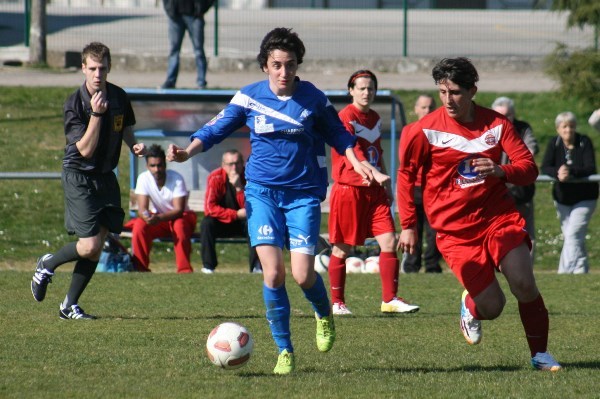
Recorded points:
(570, 156)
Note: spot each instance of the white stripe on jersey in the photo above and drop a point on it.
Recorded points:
(247, 102)
(450, 140)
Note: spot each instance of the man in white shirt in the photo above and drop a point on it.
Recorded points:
(162, 209)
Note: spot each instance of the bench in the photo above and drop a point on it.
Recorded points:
(196, 203)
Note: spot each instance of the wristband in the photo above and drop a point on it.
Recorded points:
(98, 114)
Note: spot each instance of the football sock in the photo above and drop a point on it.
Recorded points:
(278, 316)
(389, 267)
(68, 253)
(470, 304)
(317, 295)
(337, 278)
(534, 317)
(82, 274)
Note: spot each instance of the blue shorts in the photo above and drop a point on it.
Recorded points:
(283, 217)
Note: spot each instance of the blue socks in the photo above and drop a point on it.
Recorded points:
(317, 295)
(278, 316)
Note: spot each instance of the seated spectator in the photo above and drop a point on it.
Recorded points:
(162, 209)
(568, 156)
(224, 212)
(523, 195)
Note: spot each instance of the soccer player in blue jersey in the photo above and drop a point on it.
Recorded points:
(290, 122)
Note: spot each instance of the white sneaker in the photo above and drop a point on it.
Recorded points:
(206, 270)
(397, 305)
(339, 308)
(470, 326)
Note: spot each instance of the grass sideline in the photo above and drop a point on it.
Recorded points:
(149, 341)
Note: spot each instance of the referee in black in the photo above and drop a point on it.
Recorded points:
(98, 118)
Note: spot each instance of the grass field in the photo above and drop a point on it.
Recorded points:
(149, 342)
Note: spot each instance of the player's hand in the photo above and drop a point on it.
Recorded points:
(139, 149)
(487, 167)
(177, 154)
(365, 172)
(408, 241)
(381, 178)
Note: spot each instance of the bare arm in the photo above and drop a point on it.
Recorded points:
(364, 171)
(88, 143)
(138, 149)
(178, 154)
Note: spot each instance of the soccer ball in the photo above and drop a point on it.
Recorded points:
(371, 265)
(321, 263)
(354, 264)
(229, 345)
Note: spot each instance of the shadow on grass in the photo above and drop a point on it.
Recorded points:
(216, 317)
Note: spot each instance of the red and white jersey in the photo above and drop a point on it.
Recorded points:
(366, 126)
(456, 199)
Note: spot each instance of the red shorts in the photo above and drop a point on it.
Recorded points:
(357, 213)
(475, 256)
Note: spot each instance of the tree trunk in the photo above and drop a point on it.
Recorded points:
(37, 33)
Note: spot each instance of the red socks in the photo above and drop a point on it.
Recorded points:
(389, 267)
(337, 278)
(534, 317)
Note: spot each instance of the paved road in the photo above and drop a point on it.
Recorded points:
(510, 81)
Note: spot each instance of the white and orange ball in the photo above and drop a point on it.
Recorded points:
(229, 345)
(371, 265)
(354, 264)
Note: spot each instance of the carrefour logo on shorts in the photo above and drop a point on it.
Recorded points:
(265, 231)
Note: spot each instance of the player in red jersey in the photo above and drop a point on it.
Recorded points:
(466, 200)
(358, 212)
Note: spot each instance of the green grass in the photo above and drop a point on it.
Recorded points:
(149, 341)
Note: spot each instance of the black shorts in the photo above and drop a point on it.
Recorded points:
(91, 201)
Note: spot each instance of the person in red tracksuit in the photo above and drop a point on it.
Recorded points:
(224, 211)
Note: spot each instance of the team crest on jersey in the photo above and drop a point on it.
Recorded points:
(215, 118)
(468, 177)
(490, 139)
(118, 123)
(261, 125)
(373, 156)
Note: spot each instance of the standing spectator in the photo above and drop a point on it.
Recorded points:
(224, 211)
(479, 229)
(290, 121)
(186, 15)
(569, 156)
(594, 119)
(162, 211)
(97, 118)
(359, 212)
(411, 263)
(523, 195)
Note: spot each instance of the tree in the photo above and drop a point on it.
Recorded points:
(37, 33)
(578, 72)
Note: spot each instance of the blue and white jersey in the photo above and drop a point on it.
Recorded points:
(287, 135)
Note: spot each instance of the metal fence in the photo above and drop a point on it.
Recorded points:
(329, 34)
